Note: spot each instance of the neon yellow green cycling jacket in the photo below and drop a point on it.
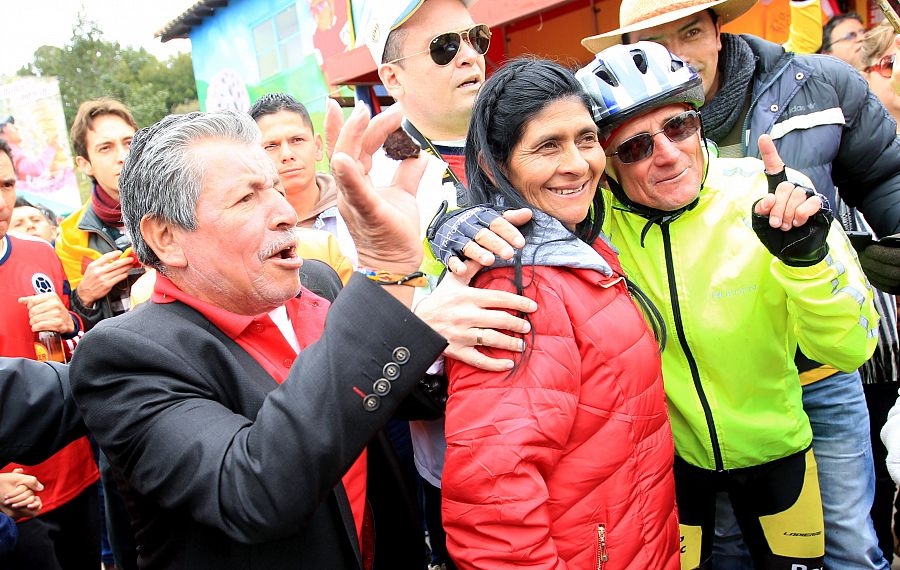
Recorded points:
(735, 315)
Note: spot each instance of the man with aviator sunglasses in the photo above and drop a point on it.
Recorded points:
(430, 57)
(444, 47)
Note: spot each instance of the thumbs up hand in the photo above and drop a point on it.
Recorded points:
(790, 220)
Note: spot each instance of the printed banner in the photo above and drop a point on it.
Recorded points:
(39, 142)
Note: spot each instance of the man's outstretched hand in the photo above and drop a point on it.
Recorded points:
(383, 221)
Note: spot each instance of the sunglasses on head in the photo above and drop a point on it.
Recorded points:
(640, 146)
(884, 67)
(444, 47)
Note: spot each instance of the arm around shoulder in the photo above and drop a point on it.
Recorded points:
(172, 420)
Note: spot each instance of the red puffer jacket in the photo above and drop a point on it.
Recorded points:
(567, 461)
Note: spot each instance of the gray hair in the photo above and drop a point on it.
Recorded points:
(162, 176)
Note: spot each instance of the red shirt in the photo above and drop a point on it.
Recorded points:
(262, 339)
(29, 266)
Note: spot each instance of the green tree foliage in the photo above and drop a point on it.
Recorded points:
(89, 67)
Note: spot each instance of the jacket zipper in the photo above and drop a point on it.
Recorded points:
(745, 135)
(602, 555)
(89, 227)
(679, 328)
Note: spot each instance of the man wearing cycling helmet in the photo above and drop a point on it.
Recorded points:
(743, 271)
(826, 124)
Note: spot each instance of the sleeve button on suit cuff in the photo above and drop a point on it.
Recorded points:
(371, 403)
(391, 371)
(401, 355)
(381, 387)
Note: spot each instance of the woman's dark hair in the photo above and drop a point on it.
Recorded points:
(514, 95)
(507, 101)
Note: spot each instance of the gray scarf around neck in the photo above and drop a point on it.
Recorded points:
(737, 64)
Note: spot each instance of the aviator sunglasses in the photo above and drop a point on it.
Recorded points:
(444, 47)
(640, 146)
(884, 67)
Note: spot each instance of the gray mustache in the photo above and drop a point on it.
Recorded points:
(288, 238)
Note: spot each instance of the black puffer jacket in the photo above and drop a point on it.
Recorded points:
(826, 123)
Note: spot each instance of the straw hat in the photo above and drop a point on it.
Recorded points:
(637, 15)
(372, 21)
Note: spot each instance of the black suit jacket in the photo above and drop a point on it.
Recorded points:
(220, 466)
(38, 416)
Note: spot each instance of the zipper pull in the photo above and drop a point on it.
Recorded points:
(602, 554)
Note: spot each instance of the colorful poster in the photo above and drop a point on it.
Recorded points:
(40, 142)
(332, 32)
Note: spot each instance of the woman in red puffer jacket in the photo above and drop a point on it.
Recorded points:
(566, 460)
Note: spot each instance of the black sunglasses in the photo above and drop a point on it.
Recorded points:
(444, 47)
(640, 146)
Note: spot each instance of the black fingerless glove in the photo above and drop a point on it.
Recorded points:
(801, 246)
(449, 232)
(881, 263)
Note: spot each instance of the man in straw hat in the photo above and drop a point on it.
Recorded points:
(826, 124)
(431, 59)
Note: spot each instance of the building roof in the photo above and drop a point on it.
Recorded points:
(181, 26)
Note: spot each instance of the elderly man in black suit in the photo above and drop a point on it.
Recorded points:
(228, 427)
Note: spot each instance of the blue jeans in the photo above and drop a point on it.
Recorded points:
(839, 418)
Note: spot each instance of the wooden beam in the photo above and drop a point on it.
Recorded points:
(504, 11)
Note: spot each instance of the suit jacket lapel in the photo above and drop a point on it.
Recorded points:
(257, 374)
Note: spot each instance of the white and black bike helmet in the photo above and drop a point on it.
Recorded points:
(627, 80)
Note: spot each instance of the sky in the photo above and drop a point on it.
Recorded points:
(29, 24)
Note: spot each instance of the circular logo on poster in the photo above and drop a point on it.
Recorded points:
(41, 283)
